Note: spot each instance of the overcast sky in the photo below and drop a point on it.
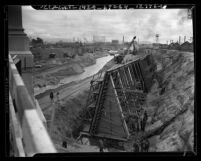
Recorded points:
(113, 24)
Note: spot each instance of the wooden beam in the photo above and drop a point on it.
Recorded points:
(93, 123)
(122, 88)
(140, 73)
(110, 137)
(118, 102)
(126, 76)
(130, 75)
(134, 71)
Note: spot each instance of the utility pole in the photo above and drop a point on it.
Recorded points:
(157, 37)
(179, 40)
(191, 39)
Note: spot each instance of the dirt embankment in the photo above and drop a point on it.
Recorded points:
(67, 122)
(56, 69)
(172, 92)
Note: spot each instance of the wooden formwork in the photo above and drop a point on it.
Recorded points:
(120, 92)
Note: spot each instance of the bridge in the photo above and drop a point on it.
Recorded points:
(28, 133)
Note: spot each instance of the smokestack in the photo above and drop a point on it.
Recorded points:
(184, 38)
(123, 40)
(179, 39)
(191, 39)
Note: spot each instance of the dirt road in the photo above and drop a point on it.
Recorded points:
(64, 93)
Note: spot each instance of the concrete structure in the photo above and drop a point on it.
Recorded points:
(115, 41)
(27, 124)
(19, 45)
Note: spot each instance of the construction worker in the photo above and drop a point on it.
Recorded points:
(64, 144)
(129, 122)
(141, 116)
(136, 147)
(58, 97)
(133, 125)
(144, 121)
(144, 145)
(51, 96)
(138, 125)
(147, 144)
(101, 145)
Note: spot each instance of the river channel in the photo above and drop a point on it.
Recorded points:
(89, 71)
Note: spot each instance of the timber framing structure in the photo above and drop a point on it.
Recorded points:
(117, 93)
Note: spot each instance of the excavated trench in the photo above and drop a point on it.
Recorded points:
(170, 106)
(171, 103)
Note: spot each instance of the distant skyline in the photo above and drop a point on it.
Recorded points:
(113, 24)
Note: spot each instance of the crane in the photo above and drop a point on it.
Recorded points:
(132, 48)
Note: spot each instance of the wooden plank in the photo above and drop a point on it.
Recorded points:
(111, 137)
(122, 116)
(122, 88)
(115, 132)
(135, 68)
(135, 72)
(141, 76)
(121, 74)
(93, 123)
(125, 77)
(130, 76)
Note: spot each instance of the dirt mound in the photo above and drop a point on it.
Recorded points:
(86, 60)
(69, 70)
(54, 75)
(67, 121)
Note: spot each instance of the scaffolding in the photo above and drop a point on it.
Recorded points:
(115, 103)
